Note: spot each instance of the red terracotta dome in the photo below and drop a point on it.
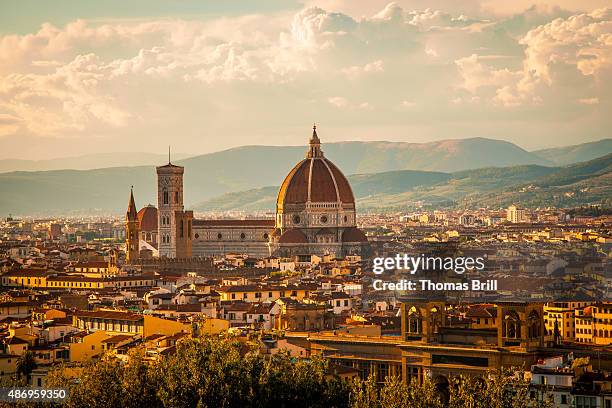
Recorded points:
(293, 236)
(325, 231)
(353, 234)
(315, 179)
(148, 218)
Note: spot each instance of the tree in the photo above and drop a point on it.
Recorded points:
(222, 372)
(26, 363)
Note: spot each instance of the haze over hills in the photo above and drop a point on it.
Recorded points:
(354, 157)
(251, 168)
(576, 153)
(364, 157)
(86, 162)
(529, 185)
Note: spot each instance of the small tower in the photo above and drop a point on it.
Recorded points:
(132, 231)
(314, 145)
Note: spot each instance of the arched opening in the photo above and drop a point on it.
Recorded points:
(414, 321)
(512, 326)
(534, 325)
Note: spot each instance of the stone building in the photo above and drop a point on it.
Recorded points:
(147, 216)
(315, 210)
(174, 224)
(315, 215)
(432, 346)
(132, 227)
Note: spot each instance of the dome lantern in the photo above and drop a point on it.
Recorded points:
(314, 145)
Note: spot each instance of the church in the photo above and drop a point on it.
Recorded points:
(315, 215)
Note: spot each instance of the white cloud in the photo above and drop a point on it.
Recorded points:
(477, 75)
(431, 52)
(579, 47)
(588, 101)
(358, 70)
(338, 101)
(173, 76)
(583, 41)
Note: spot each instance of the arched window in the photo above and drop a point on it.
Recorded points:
(176, 197)
(414, 321)
(165, 194)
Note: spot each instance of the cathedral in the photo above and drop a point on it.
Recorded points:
(315, 215)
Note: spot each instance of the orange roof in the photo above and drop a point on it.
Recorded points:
(315, 179)
(147, 216)
(353, 234)
(293, 236)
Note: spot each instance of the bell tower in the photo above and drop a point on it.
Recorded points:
(132, 231)
(169, 201)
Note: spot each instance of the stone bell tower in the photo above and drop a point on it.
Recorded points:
(169, 201)
(174, 224)
(132, 231)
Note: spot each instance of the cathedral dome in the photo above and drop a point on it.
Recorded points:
(293, 236)
(148, 218)
(315, 179)
(354, 234)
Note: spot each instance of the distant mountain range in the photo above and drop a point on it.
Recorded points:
(437, 172)
(86, 162)
(530, 185)
(576, 153)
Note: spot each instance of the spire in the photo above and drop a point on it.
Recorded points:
(132, 214)
(169, 162)
(314, 148)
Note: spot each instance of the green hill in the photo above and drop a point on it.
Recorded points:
(531, 185)
(385, 175)
(577, 153)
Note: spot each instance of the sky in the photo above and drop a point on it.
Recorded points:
(87, 77)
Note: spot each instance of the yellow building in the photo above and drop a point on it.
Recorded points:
(214, 326)
(156, 325)
(111, 329)
(8, 365)
(88, 346)
(118, 322)
(26, 278)
(602, 323)
(112, 322)
(561, 316)
(583, 322)
(50, 279)
(256, 293)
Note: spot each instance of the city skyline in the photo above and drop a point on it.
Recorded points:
(77, 80)
(306, 203)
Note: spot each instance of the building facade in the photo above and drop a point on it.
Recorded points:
(516, 215)
(171, 217)
(315, 210)
(315, 215)
(219, 237)
(132, 228)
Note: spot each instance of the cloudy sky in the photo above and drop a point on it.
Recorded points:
(82, 77)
